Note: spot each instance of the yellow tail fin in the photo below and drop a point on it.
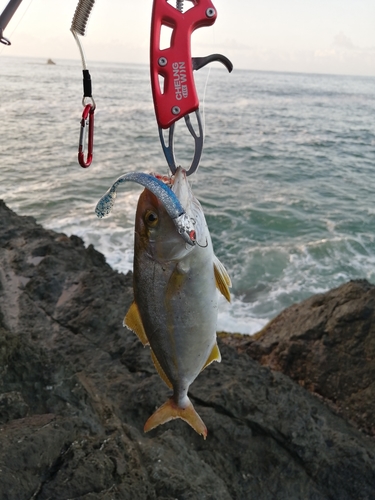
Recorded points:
(169, 411)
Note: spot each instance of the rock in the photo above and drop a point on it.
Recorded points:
(327, 345)
(76, 389)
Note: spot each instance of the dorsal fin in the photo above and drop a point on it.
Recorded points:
(222, 278)
(133, 321)
(214, 356)
(160, 370)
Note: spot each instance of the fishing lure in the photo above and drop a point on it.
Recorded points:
(183, 223)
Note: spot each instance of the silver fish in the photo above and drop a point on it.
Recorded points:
(175, 298)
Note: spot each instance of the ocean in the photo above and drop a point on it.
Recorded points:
(286, 178)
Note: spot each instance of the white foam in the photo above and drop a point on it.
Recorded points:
(236, 317)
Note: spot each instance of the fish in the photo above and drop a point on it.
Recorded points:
(176, 286)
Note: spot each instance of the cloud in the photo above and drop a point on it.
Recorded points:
(345, 57)
(343, 41)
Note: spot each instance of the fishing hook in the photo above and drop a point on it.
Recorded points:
(202, 246)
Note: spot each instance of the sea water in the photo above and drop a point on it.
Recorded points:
(286, 180)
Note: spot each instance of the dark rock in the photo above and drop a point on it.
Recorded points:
(327, 345)
(76, 389)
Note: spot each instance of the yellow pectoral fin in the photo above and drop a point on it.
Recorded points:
(169, 411)
(222, 278)
(133, 321)
(175, 283)
(214, 356)
(160, 370)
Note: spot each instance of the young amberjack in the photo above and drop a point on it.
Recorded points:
(175, 298)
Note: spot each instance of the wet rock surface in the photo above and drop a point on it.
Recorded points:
(76, 389)
(327, 345)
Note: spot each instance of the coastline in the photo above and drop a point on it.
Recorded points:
(76, 389)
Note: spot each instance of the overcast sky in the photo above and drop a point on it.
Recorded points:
(318, 36)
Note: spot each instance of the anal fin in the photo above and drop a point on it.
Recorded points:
(160, 370)
(169, 411)
(133, 321)
(214, 356)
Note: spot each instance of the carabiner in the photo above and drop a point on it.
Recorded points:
(87, 122)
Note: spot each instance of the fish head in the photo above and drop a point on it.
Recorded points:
(155, 231)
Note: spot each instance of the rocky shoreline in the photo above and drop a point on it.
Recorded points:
(290, 412)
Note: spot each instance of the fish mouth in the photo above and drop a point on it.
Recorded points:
(181, 188)
(180, 176)
(165, 194)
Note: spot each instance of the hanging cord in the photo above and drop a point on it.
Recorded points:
(204, 102)
(81, 16)
(78, 27)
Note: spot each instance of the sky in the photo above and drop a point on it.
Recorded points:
(310, 36)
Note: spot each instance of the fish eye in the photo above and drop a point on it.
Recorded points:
(151, 218)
